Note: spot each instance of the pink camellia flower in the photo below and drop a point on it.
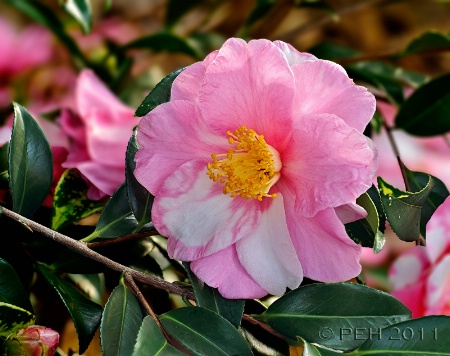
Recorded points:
(248, 161)
(100, 130)
(420, 277)
(33, 341)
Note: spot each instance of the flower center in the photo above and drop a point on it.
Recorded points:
(249, 169)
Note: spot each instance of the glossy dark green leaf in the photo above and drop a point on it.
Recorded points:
(332, 51)
(312, 350)
(30, 163)
(427, 112)
(376, 199)
(439, 192)
(84, 312)
(263, 343)
(431, 40)
(163, 41)
(425, 336)
(81, 11)
(151, 341)
(365, 230)
(11, 288)
(321, 312)
(116, 219)
(139, 198)
(160, 94)
(13, 318)
(46, 17)
(203, 332)
(177, 8)
(121, 322)
(404, 209)
(210, 298)
(70, 202)
(4, 159)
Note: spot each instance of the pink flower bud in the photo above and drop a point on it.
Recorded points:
(32, 341)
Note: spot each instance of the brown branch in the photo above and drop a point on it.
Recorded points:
(118, 240)
(264, 326)
(81, 248)
(356, 6)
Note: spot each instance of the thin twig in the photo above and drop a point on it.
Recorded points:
(397, 154)
(264, 326)
(118, 240)
(289, 36)
(81, 248)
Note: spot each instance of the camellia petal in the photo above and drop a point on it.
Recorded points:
(327, 163)
(249, 85)
(233, 281)
(348, 213)
(197, 217)
(326, 89)
(268, 254)
(292, 55)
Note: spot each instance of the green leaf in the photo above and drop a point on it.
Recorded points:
(262, 8)
(332, 51)
(81, 11)
(431, 40)
(13, 318)
(117, 219)
(121, 322)
(320, 313)
(427, 112)
(85, 313)
(312, 350)
(70, 202)
(4, 159)
(46, 17)
(177, 8)
(163, 41)
(439, 192)
(210, 298)
(11, 288)
(203, 332)
(30, 163)
(159, 95)
(404, 209)
(423, 336)
(364, 231)
(151, 341)
(139, 198)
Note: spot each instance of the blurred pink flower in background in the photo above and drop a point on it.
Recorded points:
(32, 341)
(99, 129)
(19, 52)
(420, 277)
(287, 131)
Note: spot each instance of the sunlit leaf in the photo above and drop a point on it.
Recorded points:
(70, 201)
(427, 112)
(30, 163)
(11, 288)
(13, 318)
(159, 95)
(203, 332)
(151, 341)
(81, 11)
(85, 313)
(323, 313)
(121, 322)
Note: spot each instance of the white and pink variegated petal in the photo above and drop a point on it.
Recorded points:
(293, 55)
(187, 84)
(348, 213)
(267, 253)
(438, 232)
(438, 281)
(249, 85)
(408, 268)
(327, 163)
(324, 87)
(92, 93)
(323, 247)
(413, 297)
(199, 220)
(170, 135)
(224, 271)
(107, 179)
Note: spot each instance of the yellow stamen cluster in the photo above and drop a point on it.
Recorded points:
(249, 169)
